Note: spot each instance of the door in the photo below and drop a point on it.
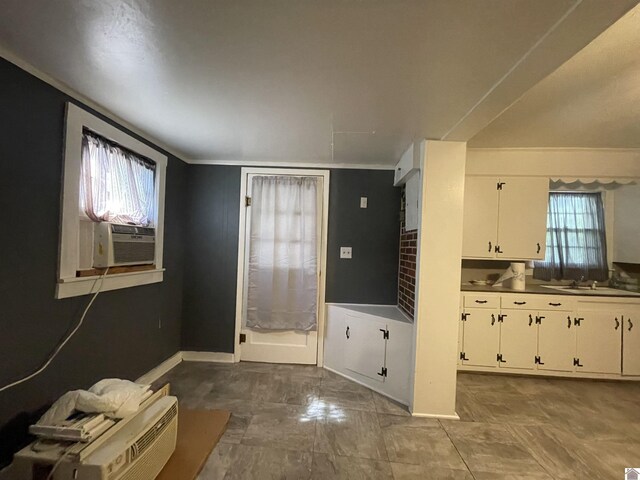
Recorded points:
(481, 337)
(522, 217)
(480, 221)
(631, 343)
(284, 245)
(365, 345)
(598, 342)
(518, 339)
(556, 341)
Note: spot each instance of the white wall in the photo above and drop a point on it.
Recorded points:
(438, 277)
(558, 162)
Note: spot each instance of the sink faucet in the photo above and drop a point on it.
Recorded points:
(576, 283)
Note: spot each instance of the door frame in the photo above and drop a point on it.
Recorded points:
(242, 231)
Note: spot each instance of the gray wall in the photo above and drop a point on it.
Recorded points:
(212, 248)
(127, 332)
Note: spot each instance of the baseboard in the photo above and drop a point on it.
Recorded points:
(156, 372)
(220, 357)
(370, 387)
(435, 415)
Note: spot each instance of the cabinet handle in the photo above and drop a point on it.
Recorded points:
(519, 303)
(493, 319)
(539, 248)
(555, 304)
(489, 247)
(530, 319)
(617, 323)
(630, 324)
(568, 321)
(347, 333)
(481, 301)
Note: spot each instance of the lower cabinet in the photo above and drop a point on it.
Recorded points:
(594, 337)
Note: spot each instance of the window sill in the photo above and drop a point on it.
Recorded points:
(76, 286)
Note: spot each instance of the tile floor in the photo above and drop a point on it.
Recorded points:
(303, 422)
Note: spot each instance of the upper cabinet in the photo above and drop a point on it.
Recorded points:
(505, 217)
(409, 163)
(626, 225)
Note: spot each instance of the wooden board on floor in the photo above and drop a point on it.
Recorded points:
(198, 433)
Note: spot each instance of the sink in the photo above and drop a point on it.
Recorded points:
(588, 291)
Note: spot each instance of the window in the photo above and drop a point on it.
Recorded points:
(108, 176)
(576, 240)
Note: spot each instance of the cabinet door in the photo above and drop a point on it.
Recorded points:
(522, 217)
(598, 342)
(518, 339)
(365, 345)
(481, 339)
(556, 341)
(480, 225)
(631, 343)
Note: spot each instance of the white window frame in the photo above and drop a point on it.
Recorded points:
(69, 285)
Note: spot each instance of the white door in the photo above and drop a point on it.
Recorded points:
(631, 343)
(518, 339)
(599, 342)
(262, 338)
(365, 345)
(481, 342)
(556, 341)
(480, 219)
(522, 218)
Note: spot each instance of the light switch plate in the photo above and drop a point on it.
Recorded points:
(345, 252)
(363, 202)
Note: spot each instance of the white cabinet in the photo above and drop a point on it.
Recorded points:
(371, 344)
(409, 163)
(556, 341)
(598, 342)
(626, 224)
(481, 337)
(505, 217)
(631, 342)
(518, 339)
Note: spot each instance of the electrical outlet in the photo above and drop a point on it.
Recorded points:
(363, 202)
(345, 252)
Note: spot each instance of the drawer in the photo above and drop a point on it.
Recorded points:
(481, 301)
(537, 302)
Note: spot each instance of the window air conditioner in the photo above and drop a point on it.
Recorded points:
(118, 245)
(137, 451)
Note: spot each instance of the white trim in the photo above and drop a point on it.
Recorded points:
(370, 387)
(441, 417)
(158, 371)
(554, 149)
(68, 261)
(292, 164)
(246, 171)
(66, 89)
(547, 373)
(219, 357)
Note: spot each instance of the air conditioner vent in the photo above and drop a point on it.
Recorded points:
(146, 440)
(127, 252)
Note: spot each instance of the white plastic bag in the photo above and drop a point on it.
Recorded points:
(114, 397)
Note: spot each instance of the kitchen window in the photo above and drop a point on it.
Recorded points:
(108, 176)
(576, 238)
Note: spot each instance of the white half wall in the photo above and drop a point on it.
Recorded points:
(438, 280)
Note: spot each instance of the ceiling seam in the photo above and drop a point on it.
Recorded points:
(19, 62)
(512, 69)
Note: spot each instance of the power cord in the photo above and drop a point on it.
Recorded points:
(66, 340)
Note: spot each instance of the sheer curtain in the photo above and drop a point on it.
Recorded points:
(115, 185)
(576, 240)
(283, 254)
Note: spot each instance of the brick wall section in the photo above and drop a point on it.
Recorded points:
(407, 270)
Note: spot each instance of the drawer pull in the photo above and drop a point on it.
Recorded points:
(630, 324)
(617, 324)
(530, 320)
(539, 248)
(481, 301)
(555, 304)
(493, 319)
(489, 246)
(568, 322)
(519, 303)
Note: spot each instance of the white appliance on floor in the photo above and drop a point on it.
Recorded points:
(136, 451)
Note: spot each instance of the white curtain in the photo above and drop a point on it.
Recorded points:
(283, 254)
(115, 185)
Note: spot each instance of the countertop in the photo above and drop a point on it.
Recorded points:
(539, 289)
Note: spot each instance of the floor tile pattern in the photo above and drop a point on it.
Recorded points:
(303, 422)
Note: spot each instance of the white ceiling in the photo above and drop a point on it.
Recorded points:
(258, 80)
(593, 100)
